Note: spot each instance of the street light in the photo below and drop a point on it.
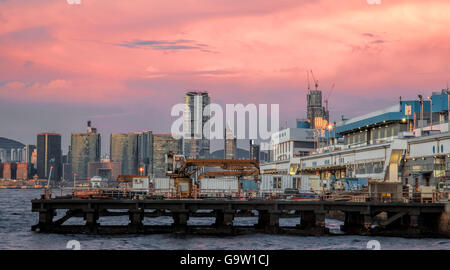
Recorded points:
(329, 127)
(431, 113)
(421, 112)
(141, 170)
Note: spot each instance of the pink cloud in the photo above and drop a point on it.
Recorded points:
(93, 51)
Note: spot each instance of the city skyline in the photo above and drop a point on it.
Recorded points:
(123, 73)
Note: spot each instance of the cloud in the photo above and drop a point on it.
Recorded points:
(180, 44)
(38, 33)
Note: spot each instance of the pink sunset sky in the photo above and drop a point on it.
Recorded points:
(123, 64)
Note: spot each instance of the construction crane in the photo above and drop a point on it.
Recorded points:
(307, 76)
(182, 169)
(316, 82)
(328, 96)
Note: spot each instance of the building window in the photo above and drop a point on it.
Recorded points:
(277, 182)
(427, 182)
(406, 181)
(434, 149)
(442, 148)
(296, 182)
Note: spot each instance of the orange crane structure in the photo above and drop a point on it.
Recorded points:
(187, 172)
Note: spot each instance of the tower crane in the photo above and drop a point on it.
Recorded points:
(328, 96)
(316, 82)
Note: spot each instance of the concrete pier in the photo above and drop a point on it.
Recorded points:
(402, 219)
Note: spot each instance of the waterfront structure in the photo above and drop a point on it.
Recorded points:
(230, 145)
(145, 152)
(254, 150)
(292, 142)
(162, 145)
(10, 150)
(124, 149)
(195, 145)
(49, 155)
(396, 144)
(85, 148)
(107, 170)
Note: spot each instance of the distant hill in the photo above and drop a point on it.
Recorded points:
(241, 153)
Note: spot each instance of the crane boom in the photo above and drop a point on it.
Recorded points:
(316, 82)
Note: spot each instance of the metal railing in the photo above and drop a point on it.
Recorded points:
(220, 194)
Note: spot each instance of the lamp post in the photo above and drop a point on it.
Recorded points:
(141, 170)
(421, 112)
(329, 127)
(448, 108)
(431, 113)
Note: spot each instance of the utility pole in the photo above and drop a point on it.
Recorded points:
(421, 112)
(431, 113)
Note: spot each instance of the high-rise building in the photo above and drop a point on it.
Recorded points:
(85, 147)
(22, 171)
(124, 148)
(10, 150)
(317, 115)
(49, 155)
(195, 145)
(107, 170)
(230, 147)
(67, 173)
(162, 145)
(145, 152)
(9, 170)
(254, 150)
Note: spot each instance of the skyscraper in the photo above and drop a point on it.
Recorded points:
(124, 148)
(195, 145)
(30, 153)
(316, 113)
(162, 145)
(230, 148)
(145, 152)
(49, 155)
(254, 150)
(85, 147)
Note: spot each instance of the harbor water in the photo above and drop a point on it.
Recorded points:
(16, 220)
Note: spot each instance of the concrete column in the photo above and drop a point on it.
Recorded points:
(319, 219)
(91, 217)
(444, 221)
(263, 219)
(414, 221)
(136, 216)
(180, 218)
(367, 219)
(307, 220)
(354, 222)
(224, 218)
(46, 217)
(273, 221)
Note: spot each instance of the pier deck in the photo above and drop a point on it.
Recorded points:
(402, 219)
